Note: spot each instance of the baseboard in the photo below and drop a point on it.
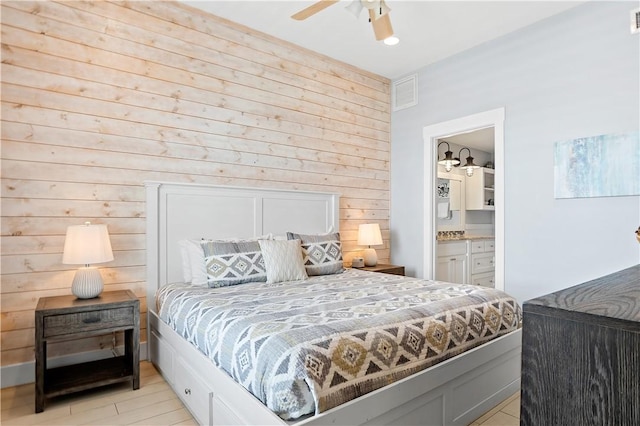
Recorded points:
(20, 374)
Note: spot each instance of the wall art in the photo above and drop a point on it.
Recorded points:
(598, 166)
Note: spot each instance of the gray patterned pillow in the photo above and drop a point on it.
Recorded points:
(231, 263)
(322, 254)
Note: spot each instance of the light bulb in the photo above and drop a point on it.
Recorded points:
(391, 41)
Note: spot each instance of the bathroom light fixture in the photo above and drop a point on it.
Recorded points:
(448, 161)
(85, 245)
(369, 235)
(469, 166)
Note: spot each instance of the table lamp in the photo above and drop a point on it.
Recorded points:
(369, 235)
(86, 245)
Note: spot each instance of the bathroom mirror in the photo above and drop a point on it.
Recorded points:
(450, 198)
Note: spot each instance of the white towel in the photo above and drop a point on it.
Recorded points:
(443, 211)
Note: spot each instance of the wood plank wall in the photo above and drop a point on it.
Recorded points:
(99, 96)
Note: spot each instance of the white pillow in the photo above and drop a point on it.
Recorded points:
(283, 260)
(194, 269)
(186, 263)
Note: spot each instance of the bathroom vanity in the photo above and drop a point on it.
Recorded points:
(467, 260)
(465, 243)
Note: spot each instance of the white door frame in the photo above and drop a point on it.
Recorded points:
(493, 118)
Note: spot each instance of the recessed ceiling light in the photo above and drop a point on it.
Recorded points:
(391, 41)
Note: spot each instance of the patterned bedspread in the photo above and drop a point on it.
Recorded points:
(306, 346)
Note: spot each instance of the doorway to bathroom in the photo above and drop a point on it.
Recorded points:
(464, 131)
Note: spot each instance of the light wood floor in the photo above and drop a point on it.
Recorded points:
(153, 404)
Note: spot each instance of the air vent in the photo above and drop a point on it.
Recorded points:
(404, 93)
(635, 21)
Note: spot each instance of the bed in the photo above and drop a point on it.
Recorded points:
(456, 390)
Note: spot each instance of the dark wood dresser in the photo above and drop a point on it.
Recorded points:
(581, 354)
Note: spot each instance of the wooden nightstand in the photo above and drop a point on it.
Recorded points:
(68, 318)
(385, 269)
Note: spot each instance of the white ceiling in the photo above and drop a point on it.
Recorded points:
(482, 139)
(428, 30)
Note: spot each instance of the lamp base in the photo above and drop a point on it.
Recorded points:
(370, 257)
(87, 283)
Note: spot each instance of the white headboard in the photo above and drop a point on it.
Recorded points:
(177, 211)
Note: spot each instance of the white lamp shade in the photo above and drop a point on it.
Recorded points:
(369, 234)
(87, 244)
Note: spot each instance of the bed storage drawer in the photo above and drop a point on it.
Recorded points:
(193, 392)
(161, 355)
(223, 415)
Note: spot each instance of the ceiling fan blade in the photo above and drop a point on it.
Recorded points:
(313, 9)
(381, 26)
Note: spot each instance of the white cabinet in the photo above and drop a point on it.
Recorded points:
(484, 280)
(479, 193)
(452, 263)
(466, 262)
(482, 263)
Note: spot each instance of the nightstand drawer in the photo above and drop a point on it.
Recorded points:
(58, 325)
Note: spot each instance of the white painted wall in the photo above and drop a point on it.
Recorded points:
(573, 75)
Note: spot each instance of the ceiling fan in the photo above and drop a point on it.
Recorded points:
(378, 15)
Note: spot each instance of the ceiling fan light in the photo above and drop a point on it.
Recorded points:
(383, 9)
(379, 11)
(391, 41)
(381, 26)
(355, 7)
(370, 4)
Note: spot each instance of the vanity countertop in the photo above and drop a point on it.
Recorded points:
(466, 237)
